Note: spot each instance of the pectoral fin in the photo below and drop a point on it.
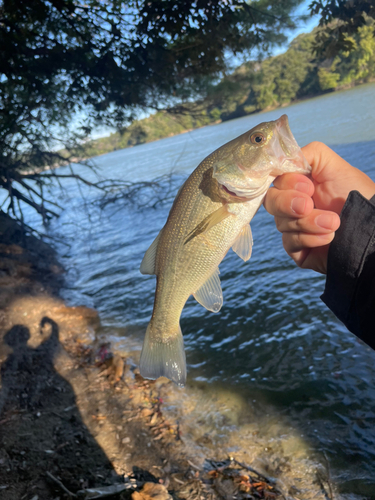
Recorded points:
(244, 243)
(210, 294)
(148, 262)
(211, 220)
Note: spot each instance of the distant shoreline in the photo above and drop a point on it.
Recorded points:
(217, 122)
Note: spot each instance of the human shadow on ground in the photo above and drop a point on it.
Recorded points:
(41, 428)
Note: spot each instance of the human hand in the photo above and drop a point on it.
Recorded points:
(307, 210)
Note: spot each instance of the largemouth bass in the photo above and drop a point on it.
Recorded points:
(210, 215)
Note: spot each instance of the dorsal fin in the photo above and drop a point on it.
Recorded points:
(244, 243)
(210, 294)
(148, 261)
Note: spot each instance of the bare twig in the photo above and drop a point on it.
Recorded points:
(38, 208)
(260, 475)
(328, 477)
(64, 488)
(193, 465)
(143, 194)
(251, 469)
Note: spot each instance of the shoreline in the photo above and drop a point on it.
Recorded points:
(75, 416)
(70, 409)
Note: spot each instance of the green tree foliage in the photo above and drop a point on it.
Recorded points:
(282, 76)
(353, 66)
(341, 19)
(358, 64)
(328, 79)
(265, 96)
(69, 65)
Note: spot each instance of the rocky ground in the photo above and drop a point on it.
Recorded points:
(78, 421)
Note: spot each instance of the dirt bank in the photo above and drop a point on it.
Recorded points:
(74, 416)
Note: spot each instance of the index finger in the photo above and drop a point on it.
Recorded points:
(288, 203)
(298, 182)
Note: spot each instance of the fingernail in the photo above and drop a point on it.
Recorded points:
(298, 205)
(303, 187)
(325, 221)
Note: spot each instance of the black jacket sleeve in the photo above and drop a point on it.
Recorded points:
(350, 284)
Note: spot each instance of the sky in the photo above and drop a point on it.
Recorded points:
(310, 24)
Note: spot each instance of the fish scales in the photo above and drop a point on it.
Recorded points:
(210, 214)
(180, 276)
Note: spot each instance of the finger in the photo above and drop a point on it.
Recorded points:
(315, 258)
(288, 203)
(317, 222)
(297, 242)
(297, 182)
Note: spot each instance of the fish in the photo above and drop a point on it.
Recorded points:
(210, 214)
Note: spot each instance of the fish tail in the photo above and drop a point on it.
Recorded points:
(164, 358)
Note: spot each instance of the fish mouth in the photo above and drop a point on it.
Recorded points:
(287, 150)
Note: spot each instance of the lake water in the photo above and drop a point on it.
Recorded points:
(274, 371)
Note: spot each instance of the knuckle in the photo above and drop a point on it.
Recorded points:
(292, 242)
(286, 242)
(268, 201)
(278, 182)
(317, 144)
(280, 203)
(298, 238)
(298, 225)
(278, 222)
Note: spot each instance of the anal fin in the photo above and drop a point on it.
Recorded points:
(210, 294)
(244, 243)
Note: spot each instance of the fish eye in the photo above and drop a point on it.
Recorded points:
(257, 138)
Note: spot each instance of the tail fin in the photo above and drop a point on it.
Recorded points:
(164, 358)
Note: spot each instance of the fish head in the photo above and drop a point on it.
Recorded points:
(246, 166)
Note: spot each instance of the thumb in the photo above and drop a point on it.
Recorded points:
(334, 177)
(326, 164)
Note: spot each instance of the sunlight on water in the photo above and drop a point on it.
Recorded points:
(274, 369)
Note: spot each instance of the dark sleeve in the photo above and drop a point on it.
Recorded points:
(350, 284)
